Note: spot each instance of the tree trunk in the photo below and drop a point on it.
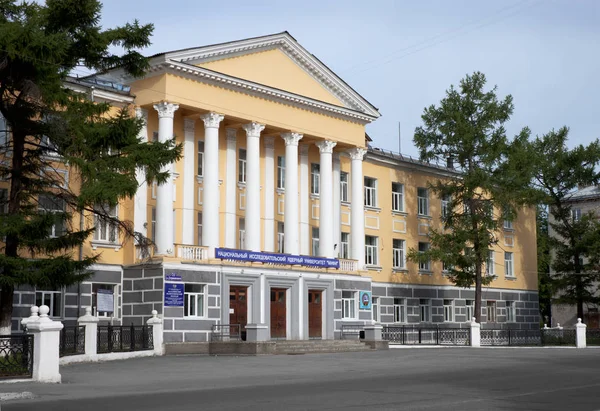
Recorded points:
(477, 313)
(6, 307)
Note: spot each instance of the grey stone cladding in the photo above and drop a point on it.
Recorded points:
(361, 316)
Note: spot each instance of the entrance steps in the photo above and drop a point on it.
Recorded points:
(319, 346)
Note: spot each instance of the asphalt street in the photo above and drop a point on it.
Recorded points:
(399, 379)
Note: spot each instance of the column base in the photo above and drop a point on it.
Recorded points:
(257, 332)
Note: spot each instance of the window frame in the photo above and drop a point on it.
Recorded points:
(375, 312)
(509, 269)
(576, 214)
(280, 237)
(370, 192)
(445, 204)
(398, 254)
(424, 266)
(371, 251)
(281, 173)
(397, 197)
(242, 165)
(425, 310)
(95, 311)
(241, 233)
(314, 241)
(510, 312)
(344, 193)
(199, 226)
(399, 310)
(448, 310)
(52, 306)
(200, 159)
(110, 229)
(344, 246)
(54, 200)
(423, 202)
(470, 309)
(349, 304)
(187, 298)
(315, 179)
(490, 263)
(489, 304)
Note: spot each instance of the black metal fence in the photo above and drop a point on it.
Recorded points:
(549, 337)
(408, 335)
(16, 356)
(226, 332)
(593, 336)
(72, 340)
(113, 338)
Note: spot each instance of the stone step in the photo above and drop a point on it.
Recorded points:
(319, 346)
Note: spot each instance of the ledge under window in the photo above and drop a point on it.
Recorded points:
(400, 270)
(314, 196)
(425, 272)
(199, 179)
(509, 230)
(374, 268)
(241, 186)
(402, 213)
(102, 244)
(425, 217)
(371, 208)
(280, 191)
(510, 278)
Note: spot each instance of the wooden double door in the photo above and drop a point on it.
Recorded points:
(315, 314)
(278, 313)
(238, 307)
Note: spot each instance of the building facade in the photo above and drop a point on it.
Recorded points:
(279, 213)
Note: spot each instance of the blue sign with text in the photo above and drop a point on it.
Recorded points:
(365, 300)
(172, 277)
(272, 258)
(174, 294)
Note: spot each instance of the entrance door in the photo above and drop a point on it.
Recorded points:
(278, 313)
(238, 308)
(315, 314)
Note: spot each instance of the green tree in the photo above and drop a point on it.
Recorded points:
(50, 127)
(545, 284)
(490, 182)
(574, 239)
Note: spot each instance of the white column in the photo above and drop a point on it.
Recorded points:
(90, 322)
(231, 189)
(580, 334)
(475, 333)
(269, 232)
(157, 333)
(46, 342)
(357, 216)
(252, 220)
(141, 195)
(326, 199)
(337, 210)
(164, 192)
(210, 183)
(304, 211)
(189, 181)
(291, 216)
(301, 299)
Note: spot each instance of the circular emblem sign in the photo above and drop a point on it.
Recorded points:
(365, 299)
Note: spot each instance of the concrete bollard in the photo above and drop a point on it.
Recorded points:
(157, 333)
(91, 333)
(475, 333)
(580, 334)
(46, 340)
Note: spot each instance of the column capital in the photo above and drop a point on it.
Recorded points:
(357, 153)
(231, 134)
(166, 109)
(142, 113)
(211, 120)
(326, 146)
(269, 142)
(189, 125)
(291, 138)
(253, 129)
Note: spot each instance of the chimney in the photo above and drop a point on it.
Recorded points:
(450, 162)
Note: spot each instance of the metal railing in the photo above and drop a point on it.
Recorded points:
(593, 336)
(352, 331)
(508, 337)
(72, 340)
(16, 356)
(408, 335)
(226, 332)
(112, 338)
(191, 252)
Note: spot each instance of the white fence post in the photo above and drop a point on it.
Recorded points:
(157, 333)
(91, 333)
(580, 334)
(475, 333)
(46, 340)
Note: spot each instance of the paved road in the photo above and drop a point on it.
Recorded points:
(402, 379)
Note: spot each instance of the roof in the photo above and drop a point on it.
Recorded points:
(586, 193)
(404, 159)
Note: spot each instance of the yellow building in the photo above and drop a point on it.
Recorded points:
(279, 216)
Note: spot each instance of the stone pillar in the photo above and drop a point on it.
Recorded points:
(231, 189)
(269, 186)
(257, 332)
(141, 195)
(46, 340)
(357, 216)
(580, 334)
(210, 182)
(90, 323)
(475, 333)
(302, 297)
(291, 215)
(326, 199)
(157, 333)
(164, 192)
(189, 181)
(304, 204)
(373, 332)
(337, 206)
(253, 213)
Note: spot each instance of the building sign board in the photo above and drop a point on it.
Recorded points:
(174, 294)
(273, 258)
(365, 300)
(105, 301)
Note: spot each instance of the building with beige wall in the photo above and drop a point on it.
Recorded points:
(279, 216)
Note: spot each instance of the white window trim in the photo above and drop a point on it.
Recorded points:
(315, 180)
(399, 309)
(425, 201)
(509, 269)
(61, 296)
(449, 309)
(352, 302)
(200, 159)
(187, 295)
(399, 255)
(372, 250)
(398, 199)
(370, 193)
(344, 192)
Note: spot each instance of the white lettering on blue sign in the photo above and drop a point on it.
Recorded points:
(272, 258)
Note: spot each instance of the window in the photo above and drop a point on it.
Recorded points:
(53, 299)
(489, 264)
(508, 222)
(49, 146)
(106, 230)
(399, 310)
(345, 245)
(424, 310)
(448, 311)
(510, 311)
(508, 265)
(51, 204)
(242, 234)
(104, 289)
(491, 311)
(193, 300)
(370, 192)
(470, 309)
(371, 257)
(397, 197)
(344, 187)
(280, 238)
(315, 179)
(242, 166)
(349, 305)
(153, 228)
(154, 189)
(199, 228)
(445, 204)
(398, 253)
(576, 214)
(424, 265)
(315, 241)
(375, 308)
(423, 201)
(281, 173)
(446, 268)
(201, 158)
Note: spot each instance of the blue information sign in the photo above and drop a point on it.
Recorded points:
(174, 294)
(173, 277)
(365, 300)
(272, 258)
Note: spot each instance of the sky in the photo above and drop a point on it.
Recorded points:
(403, 55)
